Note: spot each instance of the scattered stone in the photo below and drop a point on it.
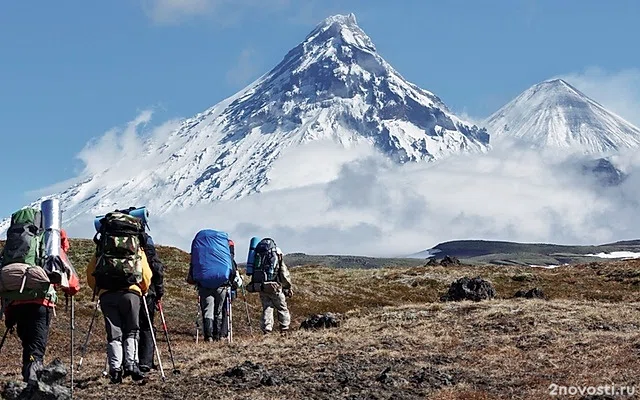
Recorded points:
(449, 261)
(51, 385)
(475, 289)
(523, 278)
(431, 263)
(603, 327)
(384, 376)
(54, 373)
(249, 372)
(432, 377)
(319, 321)
(535, 293)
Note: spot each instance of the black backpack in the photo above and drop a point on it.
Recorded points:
(265, 264)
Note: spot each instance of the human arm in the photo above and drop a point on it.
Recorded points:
(147, 274)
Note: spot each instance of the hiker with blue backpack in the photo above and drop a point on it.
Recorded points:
(214, 273)
(271, 278)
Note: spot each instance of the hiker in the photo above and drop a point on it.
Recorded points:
(212, 271)
(120, 280)
(271, 278)
(30, 312)
(154, 296)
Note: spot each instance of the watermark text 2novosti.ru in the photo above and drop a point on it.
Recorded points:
(610, 390)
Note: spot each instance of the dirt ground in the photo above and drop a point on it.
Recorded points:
(396, 339)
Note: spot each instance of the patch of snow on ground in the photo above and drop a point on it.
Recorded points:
(616, 254)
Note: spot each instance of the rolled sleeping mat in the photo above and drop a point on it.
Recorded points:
(18, 276)
(140, 212)
(53, 264)
(252, 252)
(51, 221)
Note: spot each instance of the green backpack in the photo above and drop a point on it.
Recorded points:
(118, 258)
(25, 245)
(25, 239)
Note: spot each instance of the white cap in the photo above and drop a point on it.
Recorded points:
(278, 251)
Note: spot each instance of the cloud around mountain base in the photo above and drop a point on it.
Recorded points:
(369, 206)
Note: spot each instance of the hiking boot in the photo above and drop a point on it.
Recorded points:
(133, 371)
(144, 368)
(115, 375)
(31, 371)
(208, 339)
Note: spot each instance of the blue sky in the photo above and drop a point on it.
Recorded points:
(72, 70)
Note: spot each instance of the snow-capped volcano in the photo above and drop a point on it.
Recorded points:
(555, 114)
(333, 86)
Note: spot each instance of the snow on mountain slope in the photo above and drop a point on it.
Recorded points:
(333, 86)
(555, 114)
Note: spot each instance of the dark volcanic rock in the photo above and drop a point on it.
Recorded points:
(475, 289)
(535, 293)
(449, 261)
(433, 377)
(319, 321)
(251, 374)
(51, 385)
(54, 373)
(431, 263)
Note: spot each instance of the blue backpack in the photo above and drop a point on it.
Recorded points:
(211, 263)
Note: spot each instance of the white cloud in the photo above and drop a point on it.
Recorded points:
(372, 207)
(120, 150)
(225, 11)
(618, 91)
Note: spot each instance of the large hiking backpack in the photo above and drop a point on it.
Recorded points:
(21, 273)
(265, 265)
(211, 263)
(118, 258)
(25, 238)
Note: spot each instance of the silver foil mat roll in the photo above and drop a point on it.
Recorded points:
(51, 219)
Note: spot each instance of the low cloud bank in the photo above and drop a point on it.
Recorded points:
(376, 208)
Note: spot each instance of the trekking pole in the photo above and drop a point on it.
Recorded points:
(246, 306)
(176, 371)
(153, 336)
(229, 316)
(198, 320)
(86, 340)
(105, 371)
(72, 327)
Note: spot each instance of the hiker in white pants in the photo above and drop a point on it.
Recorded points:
(274, 296)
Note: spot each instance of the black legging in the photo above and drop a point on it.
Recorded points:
(32, 322)
(145, 345)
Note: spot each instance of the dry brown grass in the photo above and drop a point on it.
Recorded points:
(587, 333)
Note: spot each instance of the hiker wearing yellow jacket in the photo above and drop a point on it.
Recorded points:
(122, 320)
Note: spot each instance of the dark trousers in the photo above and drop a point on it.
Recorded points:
(32, 323)
(145, 347)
